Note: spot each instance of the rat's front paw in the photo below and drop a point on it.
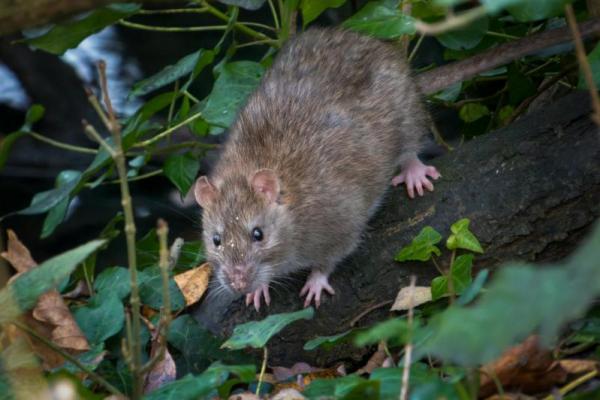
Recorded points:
(415, 176)
(316, 282)
(254, 297)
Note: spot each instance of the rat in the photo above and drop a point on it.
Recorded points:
(308, 160)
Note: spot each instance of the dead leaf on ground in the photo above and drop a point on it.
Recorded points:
(524, 366)
(193, 283)
(165, 370)
(288, 394)
(575, 367)
(375, 361)
(419, 295)
(283, 373)
(244, 396)
(50, 317)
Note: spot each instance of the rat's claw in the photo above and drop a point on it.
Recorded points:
(315, 284)
(255, 296)
(415, 175)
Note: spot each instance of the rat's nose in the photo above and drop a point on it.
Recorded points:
(238, 278)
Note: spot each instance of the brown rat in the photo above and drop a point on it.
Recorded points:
(308, 159)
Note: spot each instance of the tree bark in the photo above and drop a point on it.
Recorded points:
(531, 191)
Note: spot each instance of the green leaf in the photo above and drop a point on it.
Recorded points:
(147, 249)
(505, 113)
(113, 280)
(68, 35)
(352, 386)
(233, 85)
(462, 237)
(6, 144)
(520, 86)
(473, 111)
(593, 59)
(192, 255)
(460, 274)
(395, 328)
(522, 300)
(390, 380)
(103, 317)
(151, 290)
(311, 9)
(474, 288)
(44, 201)
(181, 169)
(57, 213)
(193, 62)
(467, 37)
(257, 333)
(247, 4)
(34, 114)
(378, 19)
(327, 341)
(199, 387)
(535, 10)
(421, 247)
(449, 94)
(22, 294)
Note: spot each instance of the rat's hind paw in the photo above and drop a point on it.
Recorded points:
(254, 297)
(316, 282)
(415, 176)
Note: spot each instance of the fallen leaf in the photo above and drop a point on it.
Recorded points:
(575, 367)
(375, 361)
(194, 282)
(17, 254)
(419, 295)
(50, 317)
(525, 366)
(283, 373)
(244, 396)
(165, 370)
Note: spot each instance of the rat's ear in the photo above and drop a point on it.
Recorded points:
(265, 182)
(204, 191)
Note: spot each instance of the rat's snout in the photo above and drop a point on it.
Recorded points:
(238, 278)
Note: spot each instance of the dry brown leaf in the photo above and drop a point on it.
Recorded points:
(165, 370)
(524, 366)
(375, 361)
(283, 373)
(288, 394)
(17, 254)
(244, 396)
(193, 283)
(406, 297)
(50, 317)
(576, 367)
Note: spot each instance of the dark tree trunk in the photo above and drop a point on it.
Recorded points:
(531, 191)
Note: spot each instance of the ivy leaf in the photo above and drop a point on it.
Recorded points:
(462, 237)
(151, 290)
(471, 112)
(535, 10)
(467, 37)
(181, 169)
(44, 201)
(22, 294)
(113, 280)
(69, 34)
(421, 247)
(257, 333)
(460, 275)
(380, 20)
(57, 214)
(194, 62)
(327, 341)
(311, 9)
(103, 317)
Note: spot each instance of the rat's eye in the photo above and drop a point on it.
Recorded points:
(217, 240)
(257, 234)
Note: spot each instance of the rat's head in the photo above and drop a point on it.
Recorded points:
(246, 226)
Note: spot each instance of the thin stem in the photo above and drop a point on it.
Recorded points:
(256, 24)
(263, 368)
(583, 62)
(437, 266)
(135, 25)
(98, 108)
(274, 13)
(173, 100)
(164, 133)
(408, 347)
(185, 145)
(191, 96)
(502, 35)
(451, 22)
(137, 178)
(197, 10)
(238, 26)
(94, 135)
(130, 230)
(572, 385)
(94, 376)
(413, 52)
(257, 42)
(61, 145)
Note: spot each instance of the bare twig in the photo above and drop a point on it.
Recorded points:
(263, 368)
(439, 78)
(451, 22)
(572, 385)
(583, 63)
(368, 310)
(408, 347)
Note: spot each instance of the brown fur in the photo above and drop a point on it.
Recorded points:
(333, 118)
